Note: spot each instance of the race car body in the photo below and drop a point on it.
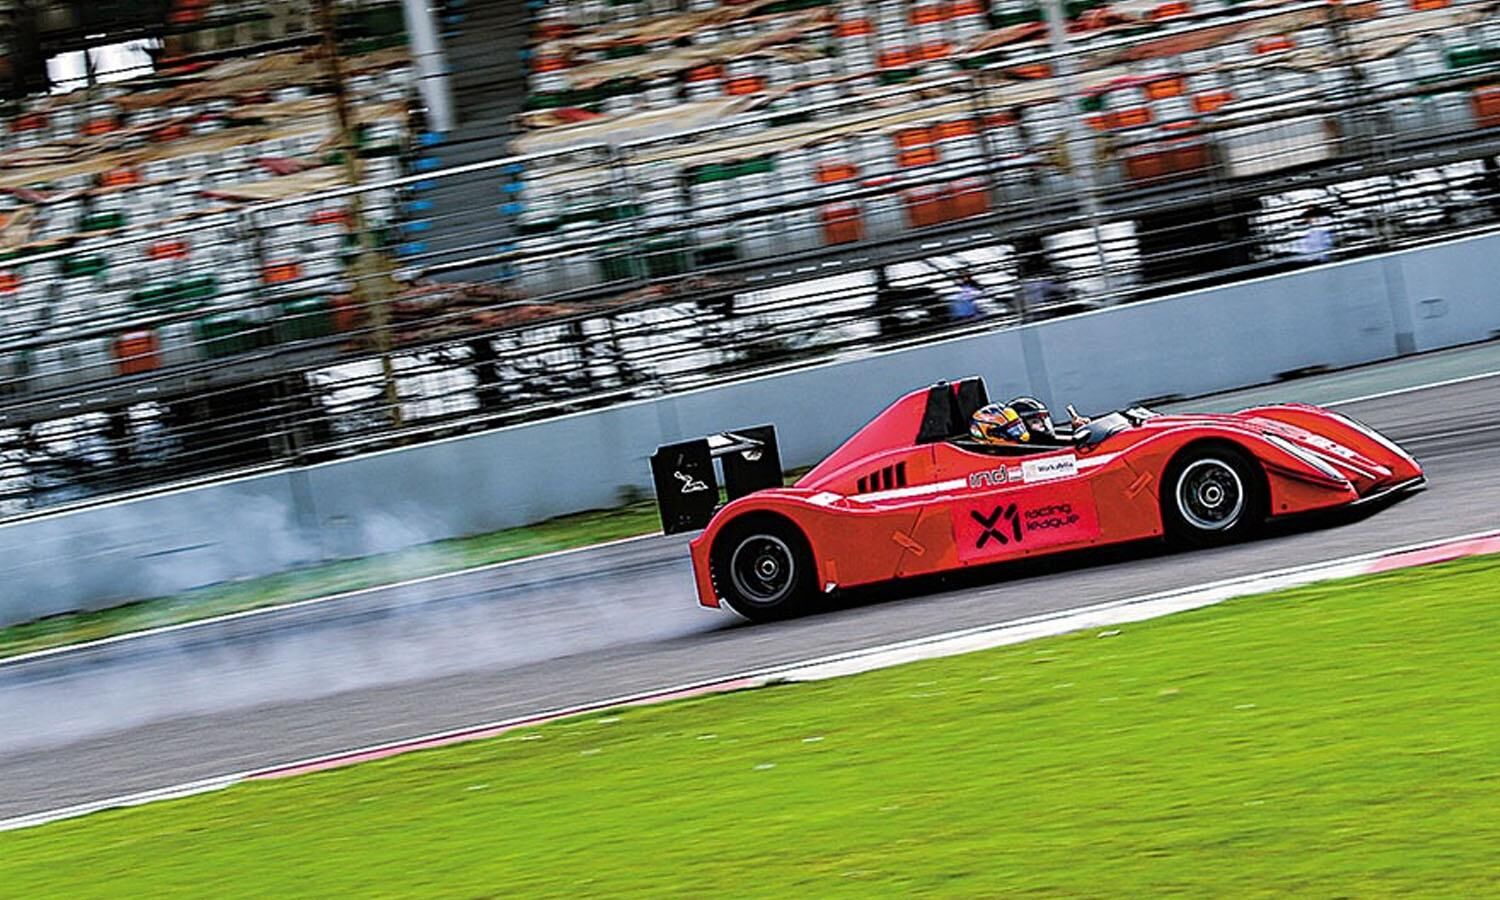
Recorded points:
(910, 494)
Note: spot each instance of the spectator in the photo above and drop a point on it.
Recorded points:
(904, 310)
(1489, 185)
(1041, 285)
(1317, 239)
(963, 306)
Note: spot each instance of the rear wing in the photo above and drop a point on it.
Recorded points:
(687, 484)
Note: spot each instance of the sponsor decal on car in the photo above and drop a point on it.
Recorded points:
(1328, 446)
(991, 478)
(1057, 516)
(985, 528)
(995, 477)
(690, 485)
(1033, 470)
(1002, 524)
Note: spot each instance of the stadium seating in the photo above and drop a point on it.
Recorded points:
(124, 246)
(664, 138)
(755, 130)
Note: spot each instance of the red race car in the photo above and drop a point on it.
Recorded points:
(916, 492)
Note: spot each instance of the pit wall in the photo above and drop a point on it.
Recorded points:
(1333, 315)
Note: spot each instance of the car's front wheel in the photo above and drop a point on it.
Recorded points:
(1212, 495)
(763, 569)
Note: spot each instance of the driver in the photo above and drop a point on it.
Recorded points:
(1024, 421)
(1038, 420)
(999, 426)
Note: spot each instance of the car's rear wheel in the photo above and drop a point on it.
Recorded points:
(763, 569)
(1213, 495)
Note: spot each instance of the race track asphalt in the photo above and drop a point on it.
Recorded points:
(581, 627)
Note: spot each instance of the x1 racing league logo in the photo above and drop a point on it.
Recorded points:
(995, 529)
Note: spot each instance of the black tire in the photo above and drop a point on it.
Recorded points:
(763, 569)
(1211, 495)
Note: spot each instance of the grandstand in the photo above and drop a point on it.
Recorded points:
(641, 197)
(906, 117)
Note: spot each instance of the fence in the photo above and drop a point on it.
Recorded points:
(305, 324)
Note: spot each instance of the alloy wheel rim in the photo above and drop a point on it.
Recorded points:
(1210, 495)
(763, 569)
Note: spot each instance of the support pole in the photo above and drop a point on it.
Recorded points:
(431, 64)
(371, 277)
(1080, 149)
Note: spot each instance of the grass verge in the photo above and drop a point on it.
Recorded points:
(1335, 740)
(564, 533)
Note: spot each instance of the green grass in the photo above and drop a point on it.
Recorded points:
(1336, 740)
(563, 533)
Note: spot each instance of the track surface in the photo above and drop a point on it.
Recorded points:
(493, 644)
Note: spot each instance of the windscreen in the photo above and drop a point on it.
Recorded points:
(1101, 429)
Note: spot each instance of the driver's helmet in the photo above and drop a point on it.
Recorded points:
(1034, 413)
(1000, 425)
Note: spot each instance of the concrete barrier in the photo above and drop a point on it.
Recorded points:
(117, 552)
(1451, 291)
(1333, 315)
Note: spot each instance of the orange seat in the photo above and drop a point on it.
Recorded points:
(121, 176)
(1160, 161)
(928, 13)
(929, 205)
(842, 224)
(1209, 101)
(1163, 88)
(137, 352)
(971, 197)
(745, 85)
(281, 272)
(917, 156)
(329, 217)
(955, 128)
(1276, 43)
(1486, 103)
(28, 122)
(96, 127)
(1168, 10)
(933, 50)
(834, 172)
(169, 133)
(168, 250)
(907, 138)
(1111, 120)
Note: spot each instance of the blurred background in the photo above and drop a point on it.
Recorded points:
(241, 236)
